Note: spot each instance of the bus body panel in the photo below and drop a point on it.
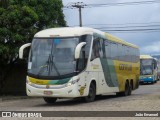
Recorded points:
(110, 75)
(127, 71)
(71, 91)
(96, 72)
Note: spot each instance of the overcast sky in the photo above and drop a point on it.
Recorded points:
(121, 16)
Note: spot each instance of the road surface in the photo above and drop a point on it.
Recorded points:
(146, 98)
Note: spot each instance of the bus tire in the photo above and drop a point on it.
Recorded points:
(92, 93)
(49, 100)
(127, 90)
(130, 90)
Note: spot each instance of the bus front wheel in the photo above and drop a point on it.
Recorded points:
(92, 93)
(50, 100)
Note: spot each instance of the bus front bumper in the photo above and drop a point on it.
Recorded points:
(64, 92)
(146, 80)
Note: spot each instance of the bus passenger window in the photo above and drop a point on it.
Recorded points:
(102, 48)
(95, 50)
(114, 51)
(107, 49)
(98, 48)
(82, 61)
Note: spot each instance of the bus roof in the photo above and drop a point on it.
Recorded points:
(67, 32)
(115, 39)
(78, 31)
(146, 57)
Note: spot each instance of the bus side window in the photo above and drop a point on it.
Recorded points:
(127, 53)
(85, 51)
(81, 62)
(87, 47)
(137, 54)
(154, 63)
(120, 53)
(103, 48)
(134, 55)
(107, 49)
(114, 51)
(96, 49)
(99, 48)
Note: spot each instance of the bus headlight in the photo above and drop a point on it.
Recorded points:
(73, 81)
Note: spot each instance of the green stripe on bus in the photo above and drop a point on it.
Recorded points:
(59, 82)
(109, 72)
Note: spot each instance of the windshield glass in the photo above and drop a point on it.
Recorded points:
(52, 56)
(146, 66)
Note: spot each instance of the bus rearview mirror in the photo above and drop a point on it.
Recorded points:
(21, 50)
(78, 49)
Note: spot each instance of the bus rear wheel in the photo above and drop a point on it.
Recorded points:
(130, 89)
(127, 91)
(50, 100)
(92, 93)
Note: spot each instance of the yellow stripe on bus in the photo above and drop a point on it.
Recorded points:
(38, 81)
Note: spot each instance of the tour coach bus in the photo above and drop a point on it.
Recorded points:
(148, 69)
(80, 62)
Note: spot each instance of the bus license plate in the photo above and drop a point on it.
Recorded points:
(48, 92)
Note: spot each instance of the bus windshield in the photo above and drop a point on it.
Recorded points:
(52, 56)
(146, 66)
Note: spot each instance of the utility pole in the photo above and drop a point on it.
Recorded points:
(78, 5)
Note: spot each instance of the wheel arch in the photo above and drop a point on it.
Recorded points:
(94, 82)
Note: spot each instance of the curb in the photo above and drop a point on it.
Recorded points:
(7, 98)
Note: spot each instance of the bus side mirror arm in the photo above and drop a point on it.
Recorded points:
(22, 49)
(78, 49)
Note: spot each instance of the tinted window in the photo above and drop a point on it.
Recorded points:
(107, 48)
(114, 51)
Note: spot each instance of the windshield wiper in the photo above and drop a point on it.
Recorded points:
(49, 64)
(44, 66)
(52, 64)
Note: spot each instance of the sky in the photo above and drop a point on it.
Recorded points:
(111, 17)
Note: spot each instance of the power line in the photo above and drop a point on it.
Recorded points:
(155, 31)
(151, 29)
(140, 26)
(121, 24)
(124, 25)
(117, 4)
(130, 26)
(124, 3)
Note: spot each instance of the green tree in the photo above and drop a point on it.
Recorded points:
(4, 3)
(19, 21)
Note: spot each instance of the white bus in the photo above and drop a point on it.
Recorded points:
(83, 62)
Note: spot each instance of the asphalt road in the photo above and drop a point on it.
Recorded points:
(146, 98)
